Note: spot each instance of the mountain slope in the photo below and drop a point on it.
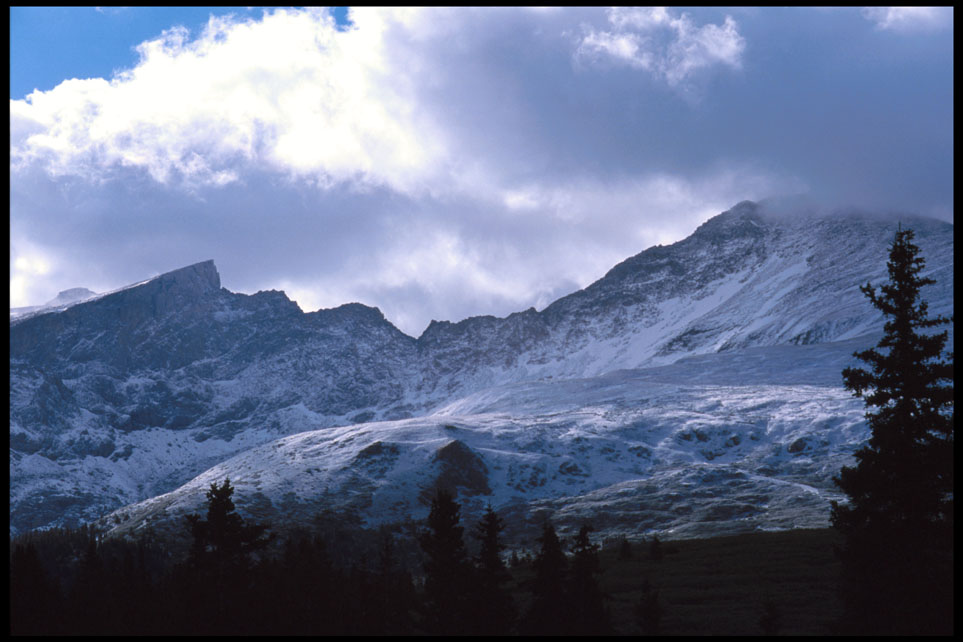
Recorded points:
(133, 393)
(657, 449)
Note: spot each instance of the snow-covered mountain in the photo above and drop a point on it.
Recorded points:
(695, 388)
(62, 300)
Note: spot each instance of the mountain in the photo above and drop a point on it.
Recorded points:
(693, 389)
(62, 300)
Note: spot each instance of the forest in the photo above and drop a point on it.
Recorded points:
(236, 578)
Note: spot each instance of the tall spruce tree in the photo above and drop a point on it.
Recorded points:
(493, 605)
(224, 540)
(393, 592)
(589, 616)
(447, 570)
(898, 523)
(219, 568)
(549, 613)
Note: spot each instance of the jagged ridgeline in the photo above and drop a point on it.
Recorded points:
(694, 389)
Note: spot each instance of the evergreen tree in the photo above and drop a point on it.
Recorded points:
(219, 574)
(223, 540)
(493, 605)
(587, 606)
(898, 523)
(447, 570)
(393, 592)
(549, 611)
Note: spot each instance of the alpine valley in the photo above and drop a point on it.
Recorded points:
(694, 390)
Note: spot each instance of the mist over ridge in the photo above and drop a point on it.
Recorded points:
(709, 363)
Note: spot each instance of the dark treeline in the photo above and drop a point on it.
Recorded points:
(109, 590)
(450, 579)
(335, 578)
(237, 579)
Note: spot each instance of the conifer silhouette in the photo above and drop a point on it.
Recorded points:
(218, 573)
(588, 612)
(549, 611)
(447, 571)
(493, 605)
(898, 522)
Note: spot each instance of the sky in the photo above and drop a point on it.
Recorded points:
(445, 163)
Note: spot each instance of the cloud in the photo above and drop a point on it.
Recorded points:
(294, 94)
(669, 47)
(910, 19)
(30, 265)
(504, 257)
(443, 163)
(289, 92)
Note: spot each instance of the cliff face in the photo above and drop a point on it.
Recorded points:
(129, 394)
(113, 328)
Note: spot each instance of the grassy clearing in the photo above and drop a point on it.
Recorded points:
(720, 586)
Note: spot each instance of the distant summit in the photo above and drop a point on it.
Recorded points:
(70, 296)
(65, 298)
(201, 277)
(183, 283)
(127, 395)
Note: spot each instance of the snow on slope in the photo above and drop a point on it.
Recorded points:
(132, 394)
(662, 450)
(63, 300)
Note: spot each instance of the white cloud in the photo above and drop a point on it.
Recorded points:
(436, 163)
(30, 265)
(541, 242)
(367, 107)
(652, 208)
(670, 47)
(910, 19)
(290, 92)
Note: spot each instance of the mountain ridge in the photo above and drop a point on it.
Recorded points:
(136, 392)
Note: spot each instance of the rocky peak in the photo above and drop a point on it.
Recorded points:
(69, 296)
(174, 291)
(199, 278)
(351, 313)
(114, 318)
(744, 221)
